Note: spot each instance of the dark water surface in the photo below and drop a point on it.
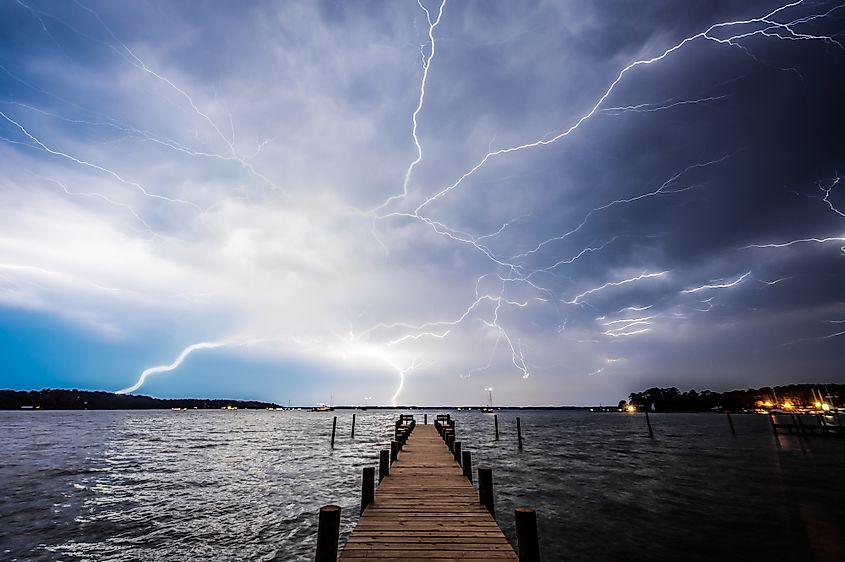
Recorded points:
(246, 485)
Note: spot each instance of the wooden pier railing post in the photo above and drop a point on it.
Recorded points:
(467, 465)
(368, 487)
(648, 421)
(527, 542)
(485, 489)
(731, 422)
(383, 464)
(328, 533)
(519, 431)
(457, 451)
(334, 428)
(425, 419)
(394, 451)
(496, 425)
(353, 426)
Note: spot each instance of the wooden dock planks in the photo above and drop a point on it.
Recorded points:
(426, 510)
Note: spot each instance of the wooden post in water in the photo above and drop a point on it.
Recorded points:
(485, 489)
(457, 451)
(731, 422)
(425, 419)
(353, 426)
(394, 451)
(368, 487)
(527, 542)
(328, 533)
(467, 465)
(334, 428)
(450, 442)
(648, 421)
(383, 464)
(519, 431)
(496, 425)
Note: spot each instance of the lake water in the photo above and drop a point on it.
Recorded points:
(247, 485)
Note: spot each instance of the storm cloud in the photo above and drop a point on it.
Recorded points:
(564, 201)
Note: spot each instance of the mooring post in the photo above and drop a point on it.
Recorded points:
(450, 442)
(527, 542)
(328, 533)
(353, 426)
(519, 431)
(457, 451)
(425, 419)
(368, 487)
(383, 464)
(731, 422)
(648, 421)
(467, 465)
(496, 425)
(394, 451)
(334, 428)
(485, 489)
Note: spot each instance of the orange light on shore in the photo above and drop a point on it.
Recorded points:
(767, 404)
(818, 405)
(631, 408)
(787, 405)
(826, 407)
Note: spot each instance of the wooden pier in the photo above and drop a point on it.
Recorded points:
(426, 509)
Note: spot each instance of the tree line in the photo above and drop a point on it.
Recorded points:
(673, 400)
(56, 399)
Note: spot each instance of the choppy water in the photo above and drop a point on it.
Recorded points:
(246, 485)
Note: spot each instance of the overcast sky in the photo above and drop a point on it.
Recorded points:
(564, 201)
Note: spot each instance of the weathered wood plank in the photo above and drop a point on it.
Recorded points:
(426, 510)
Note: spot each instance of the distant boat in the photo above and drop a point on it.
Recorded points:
(488, 409)
(322, 408)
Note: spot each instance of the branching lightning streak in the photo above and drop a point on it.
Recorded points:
(104, 198)
(660, 190)
(798, 241)
(614, 284)
(654, 107)
(85, 163)
(720, 284)
(432, 25)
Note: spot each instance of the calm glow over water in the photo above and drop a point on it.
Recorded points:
(246, 485)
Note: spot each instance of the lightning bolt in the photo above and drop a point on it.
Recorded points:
(720, 284)
(174, 365)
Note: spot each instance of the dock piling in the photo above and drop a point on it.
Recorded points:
(519, 431)
(467, 465)
(496, 425)
(328, 533)
(731, 422)
(394, 451)
(383, 464)
(425, 419)
(527, 542)
(485, 489)
(457, 451)
(334, 428)
(368, 486)
(648, 421)
(353, 426)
